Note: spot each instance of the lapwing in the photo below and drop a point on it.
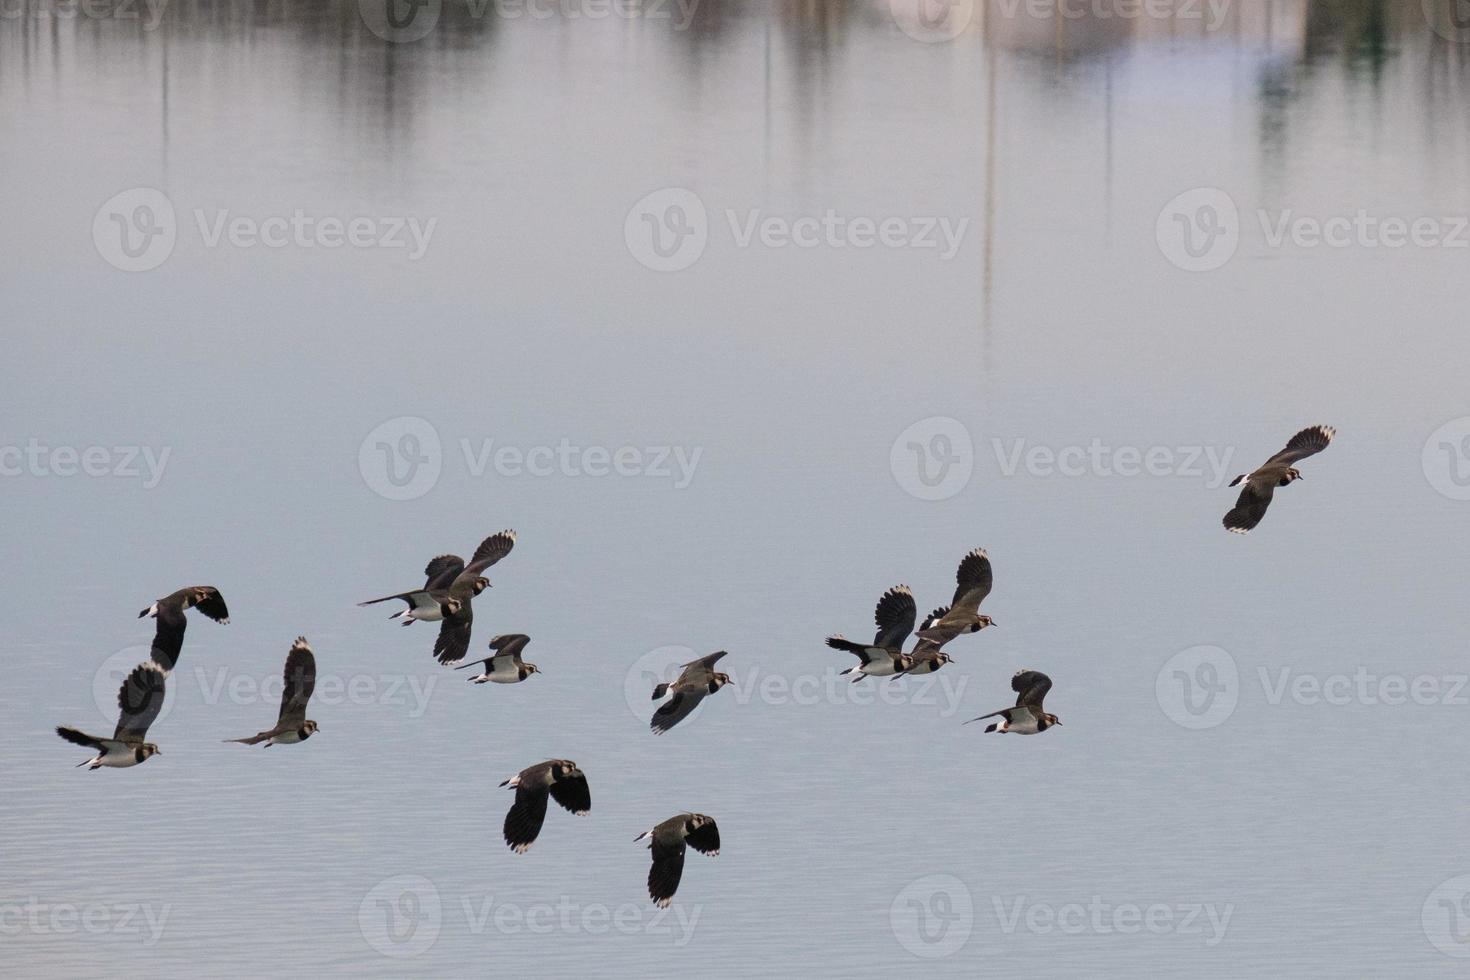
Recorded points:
(697, 680)
(962, 615)
(1278, 471)
(426, 604)
(168, 636)
(894, 616)
(1026, 718)
(292, 725)
(562, 780)
(139, 701)
(506, 667)
(666, 841)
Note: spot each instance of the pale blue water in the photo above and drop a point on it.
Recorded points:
(1297, 836)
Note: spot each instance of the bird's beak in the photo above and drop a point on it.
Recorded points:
(994, 623)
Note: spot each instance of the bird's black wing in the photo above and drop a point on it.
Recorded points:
(1250, 506)
(1308, 442)
(208, 601)
(705, 839)
(454, 635)
(668, 868)
(1030, 687)
(139, 701)
(300, 682)
(490, 551)
(573, 793)
(894, 615)
(509, 645)
(441, 570)
(523, 820)
(168, 636)
(680, 705)
(972, 580)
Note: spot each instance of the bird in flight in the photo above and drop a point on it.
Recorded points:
(506, 667)
(667, 841)
(441, 573)
(139, 701)
(972, 584)
(1277, 471)
(292, 725)
(894, 616)
(168, 636)
(696, 681)
(1027, 717)
(562, 780)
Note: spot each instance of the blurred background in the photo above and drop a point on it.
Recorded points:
(739, 313)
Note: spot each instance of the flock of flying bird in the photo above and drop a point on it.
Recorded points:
(447, 595)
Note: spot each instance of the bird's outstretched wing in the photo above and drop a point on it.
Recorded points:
(139, 701)
(1308, 442)
(300, 682)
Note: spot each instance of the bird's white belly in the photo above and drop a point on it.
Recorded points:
(287, 738)
(119, 758)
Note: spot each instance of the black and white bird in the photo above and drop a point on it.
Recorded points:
(667, 840)
(292, 725)
(1277, 471)
(696, 681)
(506, 667)
(168, 635)
(1027, 717)
(139, 701)
(562, 780)
(441, 573)
(894, 616)
(972, 584)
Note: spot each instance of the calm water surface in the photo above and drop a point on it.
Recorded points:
(1299, 832)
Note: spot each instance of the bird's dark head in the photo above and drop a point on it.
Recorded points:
(718, 681)
(1292, 473)
(147, 750)
(481, 584)
(532, 669)
(565, 769)
(1051, 720)
(943, 658)
(308, 729)
(695, 821)
(981, 621)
